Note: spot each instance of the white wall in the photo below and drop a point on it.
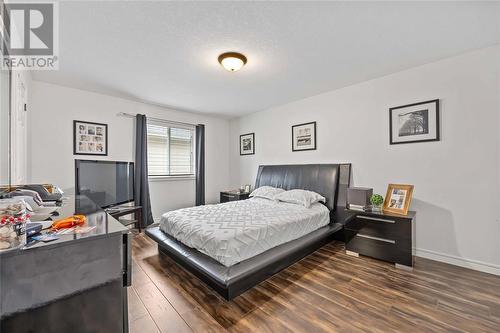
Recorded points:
(456, 180)
(53, 109)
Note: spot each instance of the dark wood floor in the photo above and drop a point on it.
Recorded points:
(327, 291)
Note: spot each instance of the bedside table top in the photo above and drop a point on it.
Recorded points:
(411, 214)
(235, 192)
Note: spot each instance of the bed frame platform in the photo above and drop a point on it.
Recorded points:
(230, 282)
(330, 180)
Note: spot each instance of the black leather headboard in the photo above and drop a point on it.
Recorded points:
(329, 180)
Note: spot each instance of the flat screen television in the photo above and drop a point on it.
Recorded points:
(106, 183)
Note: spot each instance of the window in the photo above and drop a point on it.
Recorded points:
(170, 150)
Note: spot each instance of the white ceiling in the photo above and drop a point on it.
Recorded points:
(166, 52)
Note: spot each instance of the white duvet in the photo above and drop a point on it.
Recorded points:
(234, 231)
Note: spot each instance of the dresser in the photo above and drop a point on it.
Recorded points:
(77, 283)
(385, 236)
(235, 195)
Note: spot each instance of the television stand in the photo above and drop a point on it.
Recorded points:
(118, 211)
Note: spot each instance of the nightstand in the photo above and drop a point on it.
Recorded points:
(381, 235)
(233, 196)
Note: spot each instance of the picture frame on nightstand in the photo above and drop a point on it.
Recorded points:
(398, 198)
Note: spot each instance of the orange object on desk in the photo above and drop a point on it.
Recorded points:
(69, 222)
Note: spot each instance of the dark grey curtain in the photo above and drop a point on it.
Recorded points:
(200, 165)
(141, 195)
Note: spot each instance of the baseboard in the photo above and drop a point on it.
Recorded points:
(458, 261)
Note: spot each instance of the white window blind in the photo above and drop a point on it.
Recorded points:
(170, 149)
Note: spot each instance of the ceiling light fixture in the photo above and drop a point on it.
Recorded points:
(232, 61)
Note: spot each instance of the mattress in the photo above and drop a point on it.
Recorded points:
(235, 231)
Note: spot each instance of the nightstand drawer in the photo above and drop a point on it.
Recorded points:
(381, 248)
(381, 227)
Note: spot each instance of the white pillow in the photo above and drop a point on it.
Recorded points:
(267, 192)
(300, 197)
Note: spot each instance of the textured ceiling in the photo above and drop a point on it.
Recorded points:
(166, 52)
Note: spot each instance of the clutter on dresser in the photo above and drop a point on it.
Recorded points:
(42, 201)
(33, 228)
(42, 191)
(47, 192)
(45, 238)
(69, 222)
(358, 198)
(13, 220)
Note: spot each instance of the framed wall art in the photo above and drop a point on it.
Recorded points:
(90, 138)
(418, 122)
(304, 136)
(247, 144)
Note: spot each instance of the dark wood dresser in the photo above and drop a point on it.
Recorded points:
(235, 195)
(384, 236)
(77, 283)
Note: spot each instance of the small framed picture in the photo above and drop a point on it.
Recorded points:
(398, 198)
(418, 122)
(248, 188)
(247, 144)
(90, 138)
(304, 136)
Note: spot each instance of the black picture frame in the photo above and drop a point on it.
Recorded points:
(76, 141)
(253, 144)
(437, 122)
(315, 137)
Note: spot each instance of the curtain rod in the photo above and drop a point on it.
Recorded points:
(130, 115)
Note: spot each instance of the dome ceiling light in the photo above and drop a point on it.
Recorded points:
(232, 61)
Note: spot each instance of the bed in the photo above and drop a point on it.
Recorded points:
(249, 258)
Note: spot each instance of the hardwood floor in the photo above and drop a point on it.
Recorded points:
(327, 291)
